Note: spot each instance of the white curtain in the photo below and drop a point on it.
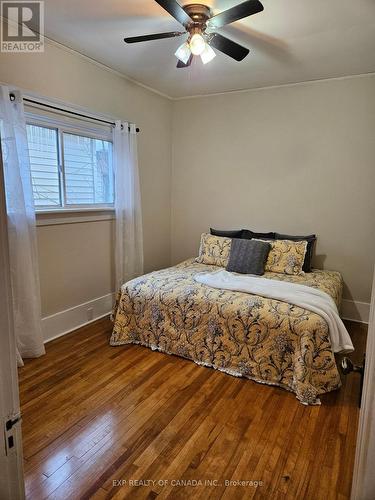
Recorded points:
(21, 227)
(129, 236)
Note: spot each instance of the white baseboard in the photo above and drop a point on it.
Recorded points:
(355, 311)
(63, 322)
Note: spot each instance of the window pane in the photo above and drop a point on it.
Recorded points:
(44, 165)
(88, 170)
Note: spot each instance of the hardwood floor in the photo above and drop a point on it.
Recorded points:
(96, 417)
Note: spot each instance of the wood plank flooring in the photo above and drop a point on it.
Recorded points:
(96, 419)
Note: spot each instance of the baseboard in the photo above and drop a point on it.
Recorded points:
(63, 322)
(355, 311)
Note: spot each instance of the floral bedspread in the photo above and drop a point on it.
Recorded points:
(262, 339)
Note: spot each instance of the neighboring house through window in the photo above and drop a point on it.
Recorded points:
(71, 164)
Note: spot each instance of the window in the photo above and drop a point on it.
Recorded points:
(88, 178)
(69, 169)
(44, 164)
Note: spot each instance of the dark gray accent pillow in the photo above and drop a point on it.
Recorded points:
(248, 256)
(226, 234)
(311, 240)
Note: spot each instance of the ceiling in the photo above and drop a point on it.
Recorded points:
(290, 41)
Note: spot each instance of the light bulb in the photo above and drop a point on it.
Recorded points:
(208, 54)
(183, 53)
(197, 44)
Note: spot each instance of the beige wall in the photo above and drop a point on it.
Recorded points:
(76, 263)
(76, 260)
(296, 159)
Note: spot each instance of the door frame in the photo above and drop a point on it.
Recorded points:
(11, 459)
(363, 487)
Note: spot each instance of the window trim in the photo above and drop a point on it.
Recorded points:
(56, 122)
(61, 127)
(74, 216)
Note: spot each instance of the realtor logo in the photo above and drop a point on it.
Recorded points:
(22, 26)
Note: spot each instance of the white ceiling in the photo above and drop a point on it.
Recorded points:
(290, 41)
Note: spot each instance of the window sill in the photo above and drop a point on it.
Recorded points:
(73, 216)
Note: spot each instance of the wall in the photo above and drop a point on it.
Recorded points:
(296, 159)
(76, 260)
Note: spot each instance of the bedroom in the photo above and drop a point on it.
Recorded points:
(281, 141)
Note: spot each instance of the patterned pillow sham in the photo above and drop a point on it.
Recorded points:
(214, 250)
(311, 240)
(286, 257)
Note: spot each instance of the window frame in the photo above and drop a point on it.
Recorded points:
(61, 126)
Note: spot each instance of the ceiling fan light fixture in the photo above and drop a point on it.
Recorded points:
(197, 44)
(183, 52)
(208, 54)
(200, 25)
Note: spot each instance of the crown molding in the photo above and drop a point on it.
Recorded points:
(51, 41)
(270, 87)
(103, 66)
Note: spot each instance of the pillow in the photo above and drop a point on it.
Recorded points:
(311, 239)
(226, 234)
(248, 256)
(214, 250)
(286, 257)
(249, 235)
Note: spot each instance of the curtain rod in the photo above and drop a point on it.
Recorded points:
(81, 115)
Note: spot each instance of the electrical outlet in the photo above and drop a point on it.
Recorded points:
(90, 313)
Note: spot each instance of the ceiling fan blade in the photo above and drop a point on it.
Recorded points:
(245, 9)
(228, 47)
(175, 10)
(180, 64)
(155, 36)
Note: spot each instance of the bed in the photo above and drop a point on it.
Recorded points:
(265, 340)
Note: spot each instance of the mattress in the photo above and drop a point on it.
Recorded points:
(265, 340)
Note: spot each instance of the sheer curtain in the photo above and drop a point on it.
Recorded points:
(129, 237)
(21, 227)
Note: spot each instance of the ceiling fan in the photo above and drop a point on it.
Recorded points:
(199, 24)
